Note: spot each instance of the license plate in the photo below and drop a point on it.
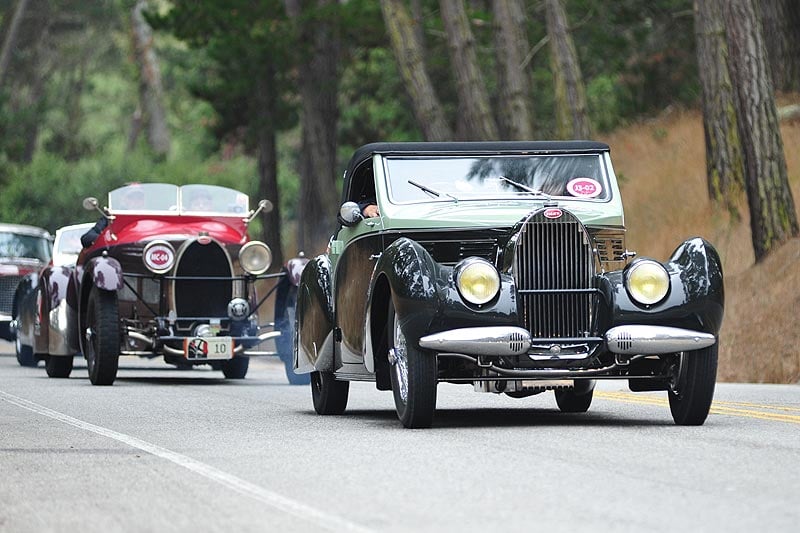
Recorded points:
(208, 348)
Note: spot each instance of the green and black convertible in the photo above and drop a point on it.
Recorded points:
(501, 265)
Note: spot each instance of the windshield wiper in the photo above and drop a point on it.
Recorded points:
(525, 188)
(430, 191)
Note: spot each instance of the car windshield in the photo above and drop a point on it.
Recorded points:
(15, 245)
(440, 178)
(213, 199)
(171, 199)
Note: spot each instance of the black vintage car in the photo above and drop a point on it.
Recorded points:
(501, 265)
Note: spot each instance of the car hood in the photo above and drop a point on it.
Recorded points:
(131, 230)
(471, 214)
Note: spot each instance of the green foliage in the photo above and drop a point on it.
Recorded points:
(606, 100)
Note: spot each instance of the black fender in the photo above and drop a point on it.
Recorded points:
(313, 346)
(415, 283)
(696, 299)
(426, 299)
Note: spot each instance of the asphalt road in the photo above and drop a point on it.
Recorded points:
(167, 450)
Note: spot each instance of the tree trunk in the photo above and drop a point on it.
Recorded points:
(511, 45)
(318, 83)
(151, 93)
(11, 38)
(773, 219)
(408, 53)
(572, 118)
(476, 119)
(724, 163)
(266, 103)
(781, 24)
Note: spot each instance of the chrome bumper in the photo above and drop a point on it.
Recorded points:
(632, 340)
(506, 341)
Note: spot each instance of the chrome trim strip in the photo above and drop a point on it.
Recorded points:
(490, 340)
(643, 339)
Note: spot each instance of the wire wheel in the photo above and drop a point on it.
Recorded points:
(413, 373)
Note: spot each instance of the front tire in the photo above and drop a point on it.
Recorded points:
(58, 366)
(102, 336)
(25, 355)
(690, 397)
(413, 374)
(328, 393)
(236, 368)
(576, 400)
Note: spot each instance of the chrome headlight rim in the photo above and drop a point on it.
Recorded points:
(255, 247)
(164, 247)
(467, 266)
(642, 267)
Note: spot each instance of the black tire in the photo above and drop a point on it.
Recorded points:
(690, 398)
(236, 368)
(25, 355)
(413, 373)
(58, 366)
(285, 307)
(101, 344)
(575, 400)
(328, 393)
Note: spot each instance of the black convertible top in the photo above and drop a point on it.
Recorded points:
(482, 147)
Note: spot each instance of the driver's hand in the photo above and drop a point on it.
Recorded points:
(371, 211)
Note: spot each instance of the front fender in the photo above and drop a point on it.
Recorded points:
(416, 283)
(313, 346)
(56, 328)
(104, 273)
(696, 299)
(294, 269)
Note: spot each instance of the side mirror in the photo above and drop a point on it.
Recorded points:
(350, 214)
(263, 205)
(90, 203)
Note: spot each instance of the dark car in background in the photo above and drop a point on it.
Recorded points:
(39, 308)
(169, 272)
(502, 266)
(23, 250)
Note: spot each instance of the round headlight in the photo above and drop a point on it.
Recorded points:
(477, 281)
(255, 257)
(648, 282)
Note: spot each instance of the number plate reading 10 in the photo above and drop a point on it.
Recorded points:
(208, 348)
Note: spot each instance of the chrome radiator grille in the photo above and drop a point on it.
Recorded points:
(8, 286)
(554, 269)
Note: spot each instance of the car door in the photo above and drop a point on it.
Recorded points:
(354, 251)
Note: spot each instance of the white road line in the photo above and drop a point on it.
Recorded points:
(273, 499)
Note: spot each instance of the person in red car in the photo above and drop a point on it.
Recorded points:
(132, 201)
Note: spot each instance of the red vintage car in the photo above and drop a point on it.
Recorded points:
(169, 272)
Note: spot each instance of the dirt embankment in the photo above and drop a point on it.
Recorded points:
(661, 164)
